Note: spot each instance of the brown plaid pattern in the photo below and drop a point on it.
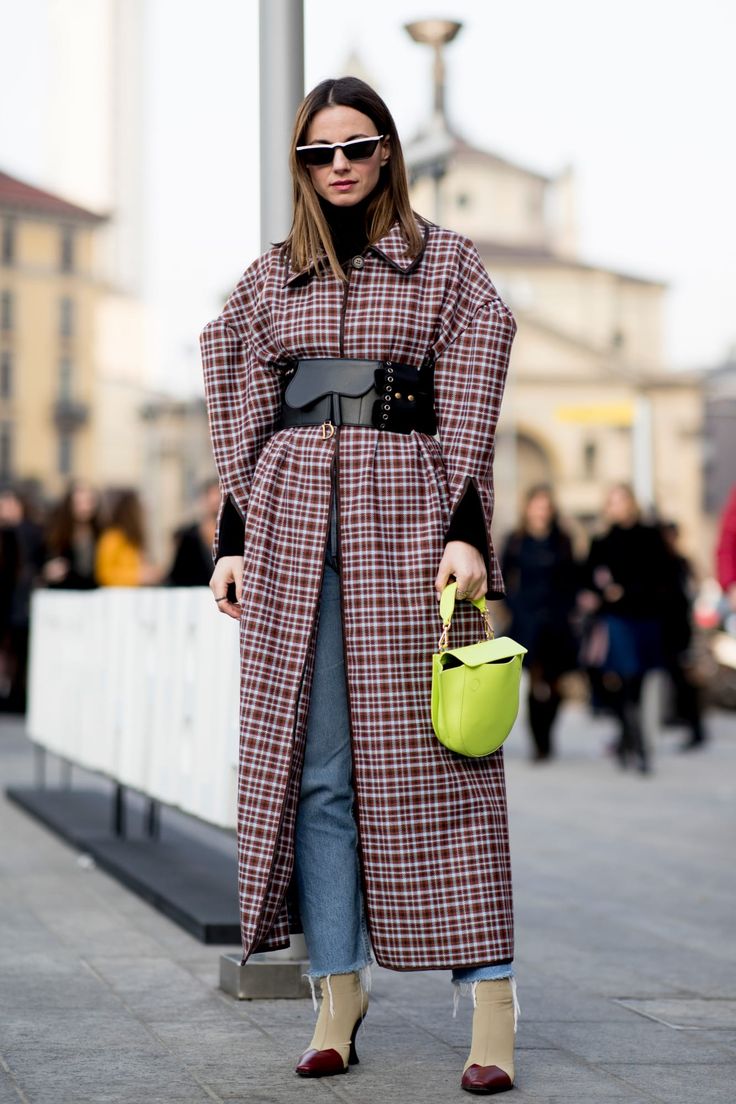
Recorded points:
(432, 825)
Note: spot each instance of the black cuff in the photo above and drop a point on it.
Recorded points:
(232, 531)
(467, 523)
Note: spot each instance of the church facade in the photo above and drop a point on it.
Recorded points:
(590, 400)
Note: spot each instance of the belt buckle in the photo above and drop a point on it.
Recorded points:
(323, 427)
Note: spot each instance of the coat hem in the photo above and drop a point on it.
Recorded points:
(449, 965)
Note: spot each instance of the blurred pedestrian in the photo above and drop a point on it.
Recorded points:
(120, 559)
(628, 576)
(8, 579)
(192, 564)
(540, 576)
(72, 536)
(328, 372)
(23, 555)
(726, 551)
(677, 639)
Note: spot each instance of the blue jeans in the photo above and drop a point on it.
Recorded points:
(327, 866)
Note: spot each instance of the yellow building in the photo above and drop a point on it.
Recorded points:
(590, 399)
(48, 299)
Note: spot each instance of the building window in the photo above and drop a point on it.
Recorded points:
(65, 379)
(65, 452)
(6, 311)
(67, 248)
(590, 459)
(6, 374)
(8, 241)
(66, 317)
(6, 451)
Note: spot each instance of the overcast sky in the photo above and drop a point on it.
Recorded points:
(637, 95)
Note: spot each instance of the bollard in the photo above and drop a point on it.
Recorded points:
(275, 975)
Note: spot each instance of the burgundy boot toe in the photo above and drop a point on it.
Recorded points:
(486, 1079)
(320, 1063)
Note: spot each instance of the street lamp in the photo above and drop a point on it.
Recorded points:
(435, 33)
(430, 154)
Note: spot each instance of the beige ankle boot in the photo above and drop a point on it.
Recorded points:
(490, 1065)
(343, 1008)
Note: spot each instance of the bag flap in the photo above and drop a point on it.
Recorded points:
(314, 379)
(487, 651)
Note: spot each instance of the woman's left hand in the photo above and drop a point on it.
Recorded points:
(465, 562)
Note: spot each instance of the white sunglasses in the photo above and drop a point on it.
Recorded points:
(357, 149)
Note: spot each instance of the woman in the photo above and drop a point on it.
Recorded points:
(678, 639)
(120, 559)
(192, 562)
(351, 512)
(21, 560)
(539, 571)
(73, 534)
(629, 576)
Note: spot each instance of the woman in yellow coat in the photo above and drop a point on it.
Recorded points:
(120, 557)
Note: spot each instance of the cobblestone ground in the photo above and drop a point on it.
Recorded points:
(626, 910)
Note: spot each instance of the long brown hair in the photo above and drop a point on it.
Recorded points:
(127, 514)
(309, 238)
(63, 521)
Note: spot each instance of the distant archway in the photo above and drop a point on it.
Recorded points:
(522, 459)
(534, 463)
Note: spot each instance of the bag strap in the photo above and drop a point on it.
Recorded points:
(447, 608)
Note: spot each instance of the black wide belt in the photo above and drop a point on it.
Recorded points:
(347, 391)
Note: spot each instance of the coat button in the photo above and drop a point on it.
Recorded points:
(398, 394)
(410, 398)
(358, 262)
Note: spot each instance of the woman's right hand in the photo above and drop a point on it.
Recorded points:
(228, 570)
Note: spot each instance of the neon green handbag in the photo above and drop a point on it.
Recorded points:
(475, 689)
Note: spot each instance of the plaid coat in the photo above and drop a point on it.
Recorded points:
(432, 825)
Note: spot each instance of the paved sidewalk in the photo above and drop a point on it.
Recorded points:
(626, 911)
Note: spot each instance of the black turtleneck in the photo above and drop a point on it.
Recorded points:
(349, 236)
(347, 226)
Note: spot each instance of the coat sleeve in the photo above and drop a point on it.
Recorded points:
(726, 551)
(472, 358)
(243, 395)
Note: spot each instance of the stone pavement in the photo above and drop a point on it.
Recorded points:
(626, 916)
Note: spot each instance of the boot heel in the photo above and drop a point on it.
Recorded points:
(353, 1059)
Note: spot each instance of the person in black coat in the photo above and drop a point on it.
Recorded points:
(629, 576)
(72, 536)
(192, 563)
(539, 572)
(21, 558)
(678, 639)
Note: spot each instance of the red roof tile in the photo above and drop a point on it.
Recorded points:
(18, 195)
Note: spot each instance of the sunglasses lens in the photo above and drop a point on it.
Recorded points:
(361, 151)
(317, 156)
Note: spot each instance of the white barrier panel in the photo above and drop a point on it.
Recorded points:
(142, 685)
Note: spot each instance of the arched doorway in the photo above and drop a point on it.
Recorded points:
(521, 461)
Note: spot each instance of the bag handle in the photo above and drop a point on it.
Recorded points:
(447, 608)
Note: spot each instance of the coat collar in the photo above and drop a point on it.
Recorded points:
(391, 249)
